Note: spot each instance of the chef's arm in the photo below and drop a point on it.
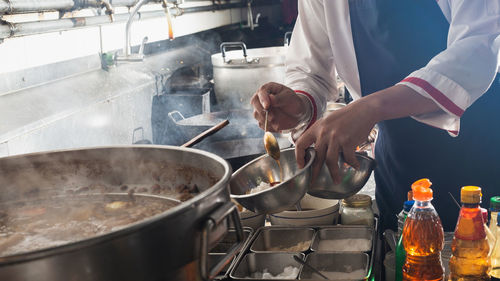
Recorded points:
(455, 78)
(310, 68)
(395, 102)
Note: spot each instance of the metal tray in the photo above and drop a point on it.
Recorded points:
(241, 262)
(223, 246)
(283, 239)
(274, 263)
(347, 266)
(347, 238)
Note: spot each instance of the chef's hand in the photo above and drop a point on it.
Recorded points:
(339, 132)
(285, 108)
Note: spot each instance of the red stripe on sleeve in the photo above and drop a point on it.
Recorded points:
(436, 94)
(315, 108)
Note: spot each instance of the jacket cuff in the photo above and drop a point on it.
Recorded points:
(306, 124)
(447, 94)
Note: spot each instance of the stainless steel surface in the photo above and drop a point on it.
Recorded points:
(335, 262)
(238, 77)
(304, 264)
(283, 240)
(162, 246)
(275, 263)
(340, 234)
(280, 197)
(352, 180)
(221, 249)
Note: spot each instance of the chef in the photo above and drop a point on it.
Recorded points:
(425, 71)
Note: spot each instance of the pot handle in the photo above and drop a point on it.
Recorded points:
(216, 218)
(225, 45)
(178, 114)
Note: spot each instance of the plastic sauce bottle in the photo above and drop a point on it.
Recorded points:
(489, 236)
(402, 215)
(494, 209)
(469, 260)
(423, 237)
(495, 255)
(400, 250)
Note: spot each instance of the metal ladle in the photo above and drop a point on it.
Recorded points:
(299, 260)
(270, 143)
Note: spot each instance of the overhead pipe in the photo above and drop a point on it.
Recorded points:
(9, 30)
(32, 6)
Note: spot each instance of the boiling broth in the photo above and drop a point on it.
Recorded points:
(27, 226)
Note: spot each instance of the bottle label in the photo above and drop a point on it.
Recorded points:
(470, 228)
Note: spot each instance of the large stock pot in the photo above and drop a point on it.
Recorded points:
(171, 245)
(238, 74)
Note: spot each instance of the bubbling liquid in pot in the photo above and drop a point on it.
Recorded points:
(27, 226)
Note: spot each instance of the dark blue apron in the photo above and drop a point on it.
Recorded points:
(392, 38)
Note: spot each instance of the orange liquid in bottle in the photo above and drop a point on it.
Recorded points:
(470, 260)
(423, 238)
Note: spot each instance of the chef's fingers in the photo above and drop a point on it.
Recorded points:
(263, 95)
(332, 161)
(321, 155)
(350, 158)
(306, 140)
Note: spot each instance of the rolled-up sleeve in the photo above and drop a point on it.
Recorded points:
(310, 67)
(458, 76)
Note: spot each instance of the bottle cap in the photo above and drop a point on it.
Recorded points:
(471, 194)
(484, 212)
(407, 205)
(421, 190)
(498, 219)
(357, 201)
(495, 204)
(409, 196)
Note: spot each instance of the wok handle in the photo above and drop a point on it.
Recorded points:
(225, 45)
(216, 218)
(173, 113)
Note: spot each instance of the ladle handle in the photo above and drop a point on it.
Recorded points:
(206, 133)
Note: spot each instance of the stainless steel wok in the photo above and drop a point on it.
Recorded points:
(170, 246)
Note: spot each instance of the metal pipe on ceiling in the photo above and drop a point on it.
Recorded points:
(9, 30)
(30, 6)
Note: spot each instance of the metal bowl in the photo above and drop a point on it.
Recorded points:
(280, 197)
(352, 180)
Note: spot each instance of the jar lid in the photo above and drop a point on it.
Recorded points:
(471, 194)
(495, 204)
(357, 200)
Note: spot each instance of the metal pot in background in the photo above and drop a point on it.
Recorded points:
(172, 245)
(238, 74)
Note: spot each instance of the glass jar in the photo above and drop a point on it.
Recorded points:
(357, 210)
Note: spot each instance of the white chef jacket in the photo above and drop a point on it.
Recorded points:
(322, 44)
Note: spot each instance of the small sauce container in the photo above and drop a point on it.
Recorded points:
(357, 210)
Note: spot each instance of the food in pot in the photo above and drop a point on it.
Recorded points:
(262, 186)
(39, 224)
(290, 272)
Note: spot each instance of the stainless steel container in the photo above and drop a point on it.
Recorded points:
(273, 263)
(283, 240)
(238, 74)
(343, 239)
(173, 245)
(337, 266)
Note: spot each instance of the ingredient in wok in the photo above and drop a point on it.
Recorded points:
(290, 272)
(262, 186)
(38, 224)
